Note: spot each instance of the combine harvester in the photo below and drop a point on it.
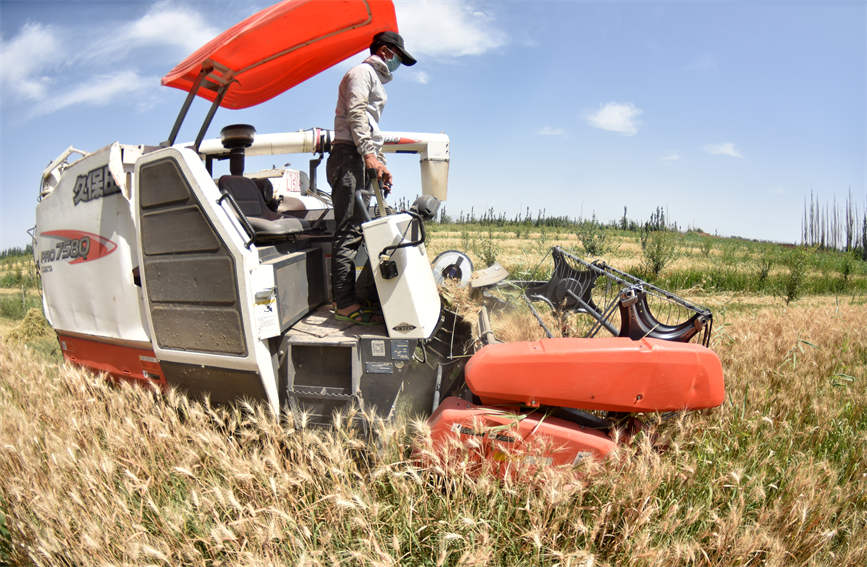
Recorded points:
(155, 271)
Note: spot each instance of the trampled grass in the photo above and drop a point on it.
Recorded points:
(97, 474)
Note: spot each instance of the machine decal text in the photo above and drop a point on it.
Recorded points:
(76, 246)
(94, 184)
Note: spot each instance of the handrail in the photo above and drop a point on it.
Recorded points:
(244, 222)
(420, 240)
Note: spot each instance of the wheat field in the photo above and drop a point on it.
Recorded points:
(98, 474)
(95, 474)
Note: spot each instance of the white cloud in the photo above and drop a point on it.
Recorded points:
(671, 156)
(164, 24)
(420, 77)
(27, 59)
(56, 67)
(447, 28)
(724, 149)
(98, 90)
(616, 117)
(549, 131)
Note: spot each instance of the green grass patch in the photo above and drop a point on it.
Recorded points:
(18, 279)
(5, 536)
(16, 307)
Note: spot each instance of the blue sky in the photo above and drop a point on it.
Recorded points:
(725, 113)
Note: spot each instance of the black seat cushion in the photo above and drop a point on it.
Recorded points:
(266, 189)
(267, 224)
(247, 195)
(277, 227)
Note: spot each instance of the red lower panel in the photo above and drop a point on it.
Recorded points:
(118, 361)
(504, 437)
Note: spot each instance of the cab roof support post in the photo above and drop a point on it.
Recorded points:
(186, 106)
(220, 94)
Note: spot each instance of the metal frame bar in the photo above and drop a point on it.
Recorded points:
(628, 280)
(213, 110)
(601, 319)
(537, 316)
(206, 69)
(222, 82)
(606, 315)
(629, 285)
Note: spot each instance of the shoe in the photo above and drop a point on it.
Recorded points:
(370, 307)
(360, 317)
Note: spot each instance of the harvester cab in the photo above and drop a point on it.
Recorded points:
(154, 270)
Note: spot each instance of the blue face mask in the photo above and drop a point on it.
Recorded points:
(393, 63)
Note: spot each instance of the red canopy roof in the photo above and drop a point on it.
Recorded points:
(283, 45)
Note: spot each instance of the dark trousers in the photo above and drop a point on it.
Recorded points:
(345, 172)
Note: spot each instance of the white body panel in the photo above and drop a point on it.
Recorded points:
(410, 301)
(86, 248)
(298, 202)
(227, 225)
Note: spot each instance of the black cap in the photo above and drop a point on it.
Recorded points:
(394, 41)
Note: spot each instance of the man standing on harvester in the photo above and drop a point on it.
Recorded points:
(356, 154)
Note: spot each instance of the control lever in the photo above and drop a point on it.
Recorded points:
(378, 191)
(360, 196)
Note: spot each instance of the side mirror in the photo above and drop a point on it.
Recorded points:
(426, 207)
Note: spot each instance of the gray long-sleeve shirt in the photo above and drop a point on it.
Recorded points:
(360, 101)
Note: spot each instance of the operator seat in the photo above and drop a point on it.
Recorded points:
(268, 225)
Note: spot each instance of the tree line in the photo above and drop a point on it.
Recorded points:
(833, 225)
